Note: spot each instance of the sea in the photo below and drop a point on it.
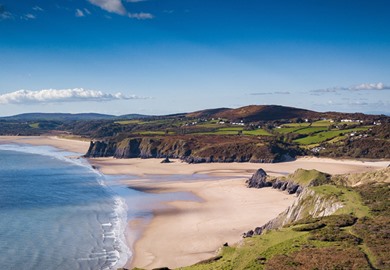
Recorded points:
(58, 212)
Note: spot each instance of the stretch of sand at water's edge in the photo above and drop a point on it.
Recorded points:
(184, 232)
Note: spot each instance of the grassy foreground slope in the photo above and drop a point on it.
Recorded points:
(356, 236)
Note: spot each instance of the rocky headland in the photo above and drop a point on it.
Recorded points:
(308, 202)
(194, 149)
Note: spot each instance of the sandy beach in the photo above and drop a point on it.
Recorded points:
(76, 146)
(184, 232)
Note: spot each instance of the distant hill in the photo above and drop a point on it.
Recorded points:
(256, 113)
(70, 117)
(209, 113)
(132, 116)
(251, 113)
(59, 116)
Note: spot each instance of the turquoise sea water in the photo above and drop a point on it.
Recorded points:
(57, 212)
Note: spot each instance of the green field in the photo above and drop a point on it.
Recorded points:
(235, 131)
(315, 133)
(309, 130)
(209, 125)
(318, 131)
(34, 125)
(230, 129)
(257, 132)
(301, 130)
(327, 135)
(285, 130)
(128, 122)
(296, 125)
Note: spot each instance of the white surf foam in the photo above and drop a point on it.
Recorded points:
(115, 229)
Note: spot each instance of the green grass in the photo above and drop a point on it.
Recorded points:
(327, 135)
(309, 130)
(296, 125)
(285, 130)
(128, 122)
(235, 131)
(304, 130)
(321, 123)
(305, 177)
(34, 125)
(337, 139)
(257, 132)
(340, 238)
(247, 255)
(208, 125)
(230, 129)
(319, 137)
(351, 200)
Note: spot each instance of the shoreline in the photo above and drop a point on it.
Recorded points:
(235, 175)
(225, 200)
(185, 232)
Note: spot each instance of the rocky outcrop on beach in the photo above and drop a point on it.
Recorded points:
(292, 184)
(166, 160)
(191, 149)
(258, 180)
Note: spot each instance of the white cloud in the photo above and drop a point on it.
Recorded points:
(359, 87)
(141, 16)
(370, 86)
(79, 13)
(61, 95)
(87, 11)
(38, 8)
(116, 6)
(5, 15)
(28, 16)
(113, 6)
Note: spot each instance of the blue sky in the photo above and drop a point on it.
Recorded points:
(168, 56)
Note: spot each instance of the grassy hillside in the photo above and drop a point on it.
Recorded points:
(309, 177)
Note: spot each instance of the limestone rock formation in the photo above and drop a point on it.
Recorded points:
(191, 149)
(258, 180)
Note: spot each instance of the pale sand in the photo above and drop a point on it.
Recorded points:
(144, 167)
(185, 232)
(76, 146)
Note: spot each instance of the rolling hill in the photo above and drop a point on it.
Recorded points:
(251, 113)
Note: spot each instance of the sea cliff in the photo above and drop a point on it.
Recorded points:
(193, 149)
